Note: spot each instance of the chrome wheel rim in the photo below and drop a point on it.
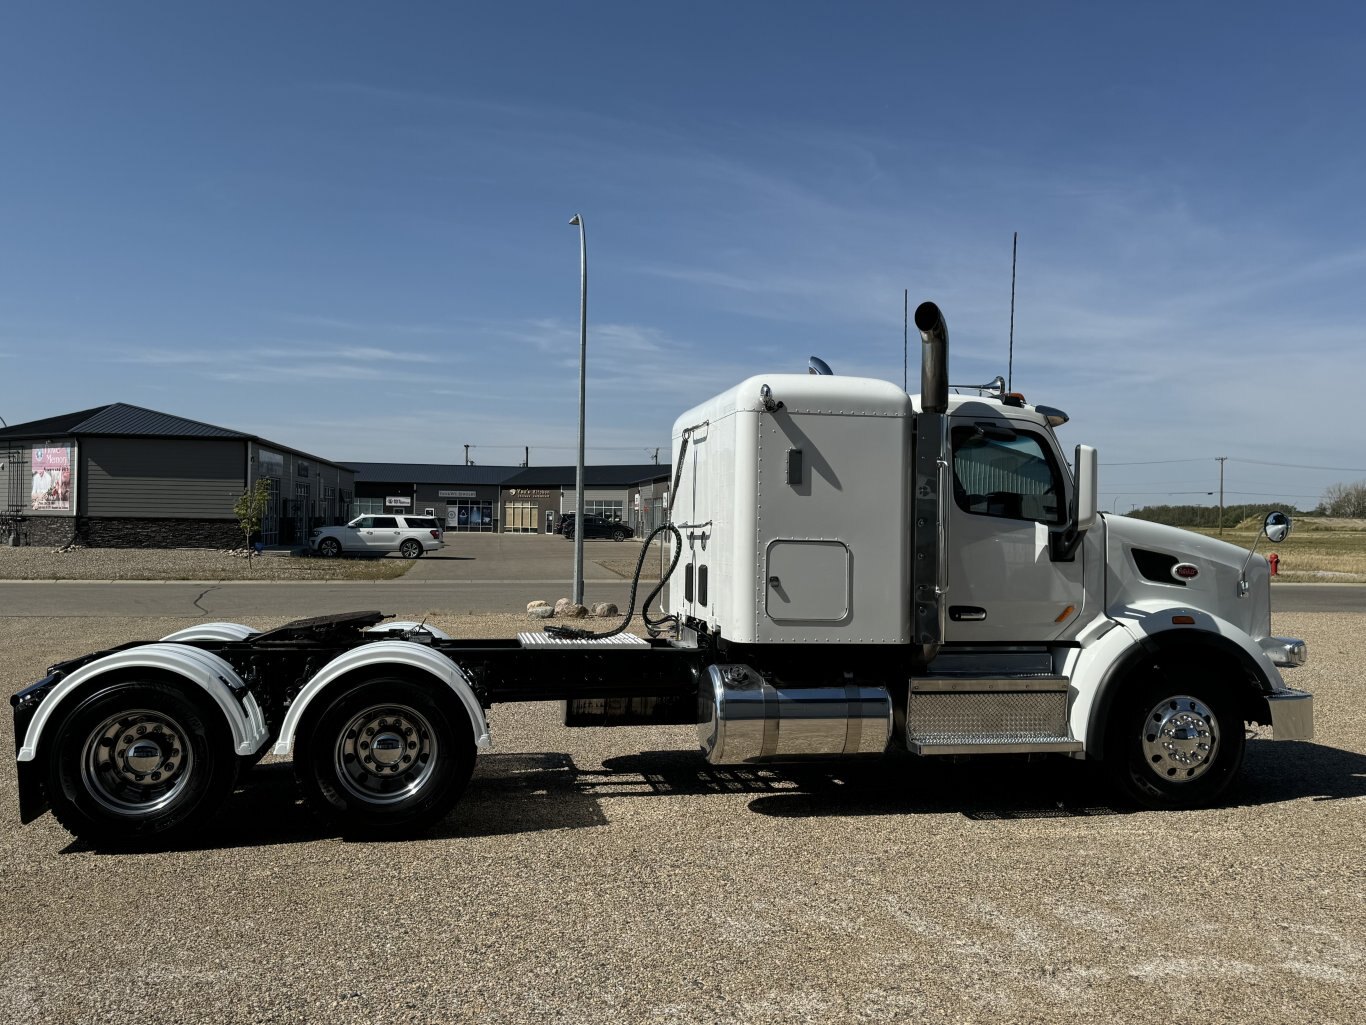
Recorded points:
(1180, 739)
(411, 549)
(386, 754)
(331, 548)
(137, 762)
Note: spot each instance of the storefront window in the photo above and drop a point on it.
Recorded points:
(607, 509)
(469, 514)
(521, 518)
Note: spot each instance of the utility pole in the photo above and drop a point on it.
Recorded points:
(1221, 459)
(526, 455)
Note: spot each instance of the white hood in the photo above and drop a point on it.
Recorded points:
(1139, 555)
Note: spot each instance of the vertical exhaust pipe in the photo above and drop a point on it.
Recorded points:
(929, 545)
(934, 358)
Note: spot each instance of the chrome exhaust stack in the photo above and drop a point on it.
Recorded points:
(934, 358)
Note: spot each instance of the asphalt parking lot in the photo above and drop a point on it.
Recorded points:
(596, 876)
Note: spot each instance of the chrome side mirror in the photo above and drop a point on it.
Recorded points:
(1277, 527)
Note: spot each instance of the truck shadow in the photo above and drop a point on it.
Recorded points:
(529, 793)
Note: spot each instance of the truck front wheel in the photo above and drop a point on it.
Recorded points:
(136, 763)
(384, 758)
(1176, 741)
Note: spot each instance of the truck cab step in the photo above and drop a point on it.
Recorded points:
(998, 714)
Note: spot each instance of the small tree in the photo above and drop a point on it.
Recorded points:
(250, 509)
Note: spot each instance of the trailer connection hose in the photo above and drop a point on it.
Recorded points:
(652, 625)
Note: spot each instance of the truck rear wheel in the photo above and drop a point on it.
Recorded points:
(384, 758)
(138, 762)
(1176, 741)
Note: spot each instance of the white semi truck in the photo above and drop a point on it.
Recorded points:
(855, 569)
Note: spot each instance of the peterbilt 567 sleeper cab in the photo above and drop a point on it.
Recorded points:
(856, 569)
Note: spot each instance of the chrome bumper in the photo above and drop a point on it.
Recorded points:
(1292, 715)
(1285, 651)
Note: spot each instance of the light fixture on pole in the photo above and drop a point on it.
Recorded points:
(583, 358)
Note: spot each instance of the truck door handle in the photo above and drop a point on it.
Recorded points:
(774, 582)
(967, 613)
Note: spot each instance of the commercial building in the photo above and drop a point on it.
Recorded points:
(512, 499)
(121, 476)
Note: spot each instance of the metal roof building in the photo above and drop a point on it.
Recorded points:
(511, 499)
(126, 476)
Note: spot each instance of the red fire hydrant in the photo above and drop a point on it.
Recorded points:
(1275, 561)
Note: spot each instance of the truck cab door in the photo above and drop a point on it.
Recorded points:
(1010, 492)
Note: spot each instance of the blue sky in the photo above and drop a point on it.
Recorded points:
(345, 227)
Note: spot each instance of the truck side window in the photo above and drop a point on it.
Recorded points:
(1014, 478)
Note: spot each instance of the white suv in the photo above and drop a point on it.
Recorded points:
(410, 536)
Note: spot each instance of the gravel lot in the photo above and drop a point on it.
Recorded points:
(187, 564)
(609, 876)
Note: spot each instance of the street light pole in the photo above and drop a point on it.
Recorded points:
(583, 359)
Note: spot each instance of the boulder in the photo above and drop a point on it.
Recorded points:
(536, 605)
(563, 604)
(573, 611)
(541, 611)
(604, 609)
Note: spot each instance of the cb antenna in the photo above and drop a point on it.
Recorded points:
(1010, 357)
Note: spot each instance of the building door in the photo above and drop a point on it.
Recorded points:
(300, 517)
(270, 522)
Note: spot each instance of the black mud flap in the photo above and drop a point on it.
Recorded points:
(32, 799)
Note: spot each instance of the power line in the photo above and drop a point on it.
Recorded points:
(1301, 466)
(1156, 462)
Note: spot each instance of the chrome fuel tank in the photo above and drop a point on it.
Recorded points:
(741, 717)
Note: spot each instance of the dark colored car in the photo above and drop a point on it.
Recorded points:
(596, 526)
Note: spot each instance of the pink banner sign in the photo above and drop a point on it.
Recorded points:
(51, 479)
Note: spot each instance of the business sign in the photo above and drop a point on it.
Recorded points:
(529, 492)
(401, 503)
(51, 479)
(455, 494)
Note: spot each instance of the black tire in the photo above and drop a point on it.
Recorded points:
(411, 548)
(618, 535)
(329, 547)
(164, 776)
(429, 739)
(1176, 740)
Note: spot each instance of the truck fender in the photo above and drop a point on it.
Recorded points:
(211, 632)
(203, 669)
(388, 654)
(1098, 668)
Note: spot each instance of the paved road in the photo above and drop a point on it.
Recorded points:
(238, 599)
